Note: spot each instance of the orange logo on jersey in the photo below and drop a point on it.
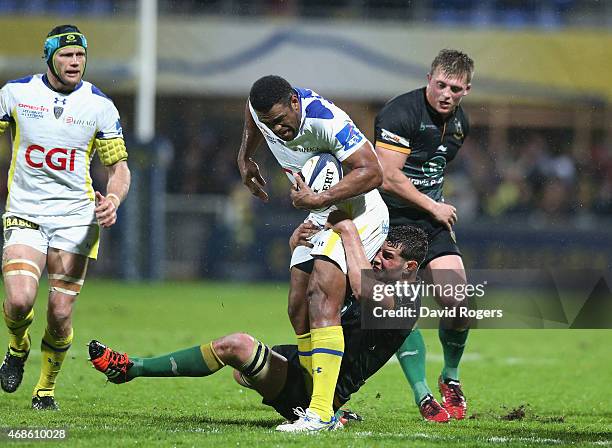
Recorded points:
(60, 163)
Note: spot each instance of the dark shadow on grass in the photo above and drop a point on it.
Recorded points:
(241, 422)
(162, 420)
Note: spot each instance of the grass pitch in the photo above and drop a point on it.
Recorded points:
(524, 388)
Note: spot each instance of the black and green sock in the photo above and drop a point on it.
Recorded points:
(200, 360)
(453, 344)
(411, 356)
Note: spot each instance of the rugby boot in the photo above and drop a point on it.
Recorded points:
(308, 421)
(11, 371)
(44, 402)
(453, 399)
(345, 416)
(113, 364)
(431, 410)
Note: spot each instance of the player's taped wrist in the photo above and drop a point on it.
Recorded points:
(109, 196)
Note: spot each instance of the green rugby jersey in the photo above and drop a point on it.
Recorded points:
(409, 125)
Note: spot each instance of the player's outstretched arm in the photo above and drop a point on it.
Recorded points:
(364, 174)
(249, 170)
(117, 187)
(395, 182)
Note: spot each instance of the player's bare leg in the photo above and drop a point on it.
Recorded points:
(256, 366)
(21, 267)
(66, 277)
(326, 292)
(297, 310)
(453, 332)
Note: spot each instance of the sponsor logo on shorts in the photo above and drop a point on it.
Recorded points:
(12, 222)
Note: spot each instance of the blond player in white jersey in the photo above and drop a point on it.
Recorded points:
(53, 215)
(297, 124)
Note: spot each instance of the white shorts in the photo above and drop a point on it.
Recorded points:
(371, 217)
(57, 232)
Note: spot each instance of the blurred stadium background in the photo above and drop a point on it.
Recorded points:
(533, 183)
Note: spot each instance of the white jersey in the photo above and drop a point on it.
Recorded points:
(53, 144)
(324, 127)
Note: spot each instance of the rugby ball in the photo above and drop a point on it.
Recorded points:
(321, 172)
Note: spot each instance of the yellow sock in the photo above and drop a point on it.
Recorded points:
(304, 345)
(53, 351)
(19, 341)
(327, 352)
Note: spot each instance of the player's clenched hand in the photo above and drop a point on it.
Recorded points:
(252, 178)
(301, 236)
(445, 214)
(302, 196)
(340, 222)
(106, 210)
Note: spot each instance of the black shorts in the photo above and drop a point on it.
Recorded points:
(441, 241)
(365, 352)
(294, 393)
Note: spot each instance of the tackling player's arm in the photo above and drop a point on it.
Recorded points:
(357, 261)
(113, 155)
(302, 234)
(364, 174)
(249, 170)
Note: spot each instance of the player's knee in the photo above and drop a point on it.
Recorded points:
(20, 302)
(239, 378)
(60, 311)
(60, 315)
(233, 347)
(321, 310)
(18, 306)
(452, 301)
